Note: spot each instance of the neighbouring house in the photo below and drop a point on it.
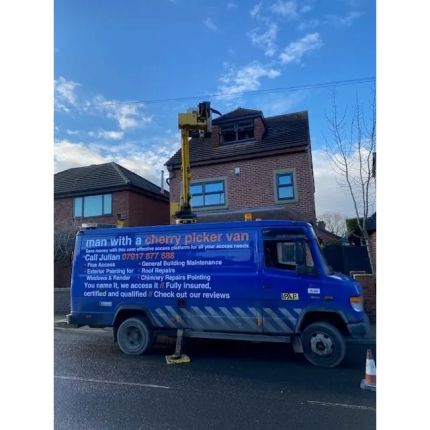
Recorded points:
(250, 164)
(351, 254)
(355, 236)
(103, 194)
(325, 236)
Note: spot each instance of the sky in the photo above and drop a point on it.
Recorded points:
(124, 70)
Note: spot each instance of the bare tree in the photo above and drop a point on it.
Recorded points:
(64, 243)
(334, 223)
(350, 149)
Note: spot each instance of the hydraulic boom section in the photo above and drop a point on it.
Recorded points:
(192, 124)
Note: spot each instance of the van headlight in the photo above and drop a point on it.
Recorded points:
(357, 303)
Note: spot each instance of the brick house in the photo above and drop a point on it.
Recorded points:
(250, 163)
(103, 194)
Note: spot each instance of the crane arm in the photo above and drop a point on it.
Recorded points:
(197, 121)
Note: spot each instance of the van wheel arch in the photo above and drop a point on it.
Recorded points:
(314, 316)
(126, 313)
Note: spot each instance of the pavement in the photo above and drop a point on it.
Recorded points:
(60, 322)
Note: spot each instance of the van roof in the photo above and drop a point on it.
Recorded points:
(204, 226)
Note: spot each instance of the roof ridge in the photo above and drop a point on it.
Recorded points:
(117, 168)
(139, 176)
(286, 114)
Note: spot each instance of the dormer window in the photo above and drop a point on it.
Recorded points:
(237, 132)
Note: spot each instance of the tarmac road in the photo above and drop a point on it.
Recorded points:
(227, 385)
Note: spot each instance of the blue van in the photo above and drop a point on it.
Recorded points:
(254, 280)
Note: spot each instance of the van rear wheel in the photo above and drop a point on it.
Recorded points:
(323, 344)
(134, 336)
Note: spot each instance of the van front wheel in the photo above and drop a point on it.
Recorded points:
(134, 336)
(323, 344)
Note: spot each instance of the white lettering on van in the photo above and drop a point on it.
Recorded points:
(95, 243)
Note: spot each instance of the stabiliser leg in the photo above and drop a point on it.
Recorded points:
(177, 357)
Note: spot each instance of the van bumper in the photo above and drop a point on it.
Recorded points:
(98, 319)
(360, 329)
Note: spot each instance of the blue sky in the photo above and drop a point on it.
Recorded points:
(118, 63)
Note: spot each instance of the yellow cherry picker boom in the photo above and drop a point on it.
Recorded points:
(195, 123)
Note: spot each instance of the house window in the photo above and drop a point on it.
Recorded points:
(240, 131)
(285, 186)
(89, 206)
(207, 194)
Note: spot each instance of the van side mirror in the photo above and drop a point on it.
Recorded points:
(301, 264)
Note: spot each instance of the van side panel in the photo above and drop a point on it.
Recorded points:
(204, 279)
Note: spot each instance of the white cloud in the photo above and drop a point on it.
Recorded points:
(72, 132)
(331, 192)
(128, 115)
(294, 52)
(210, 24)
(75, 154)
(346, 20)
(265, 40)
(286, 9)
(64, 94)
(145, 162)
(246, 78)
(255, 11)
(106, 134)
(310, 23)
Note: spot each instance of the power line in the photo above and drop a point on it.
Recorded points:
(235, 94)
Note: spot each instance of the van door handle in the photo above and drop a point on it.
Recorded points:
(266, 286)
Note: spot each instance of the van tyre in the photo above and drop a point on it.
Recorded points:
(323, 344)
(134, 336)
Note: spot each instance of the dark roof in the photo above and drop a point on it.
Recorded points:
(101, 178)
(322, 231)
(238, 113)
(284, 133)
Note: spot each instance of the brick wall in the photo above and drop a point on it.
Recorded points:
(258, 128)
(215, 135)
(63, 211)
(146, 211)
(255, 186)
(368, 282)
(138, 209)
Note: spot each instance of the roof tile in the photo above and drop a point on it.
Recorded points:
(283, 132)
(100, 177)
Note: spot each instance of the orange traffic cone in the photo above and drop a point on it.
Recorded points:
(369, 381)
